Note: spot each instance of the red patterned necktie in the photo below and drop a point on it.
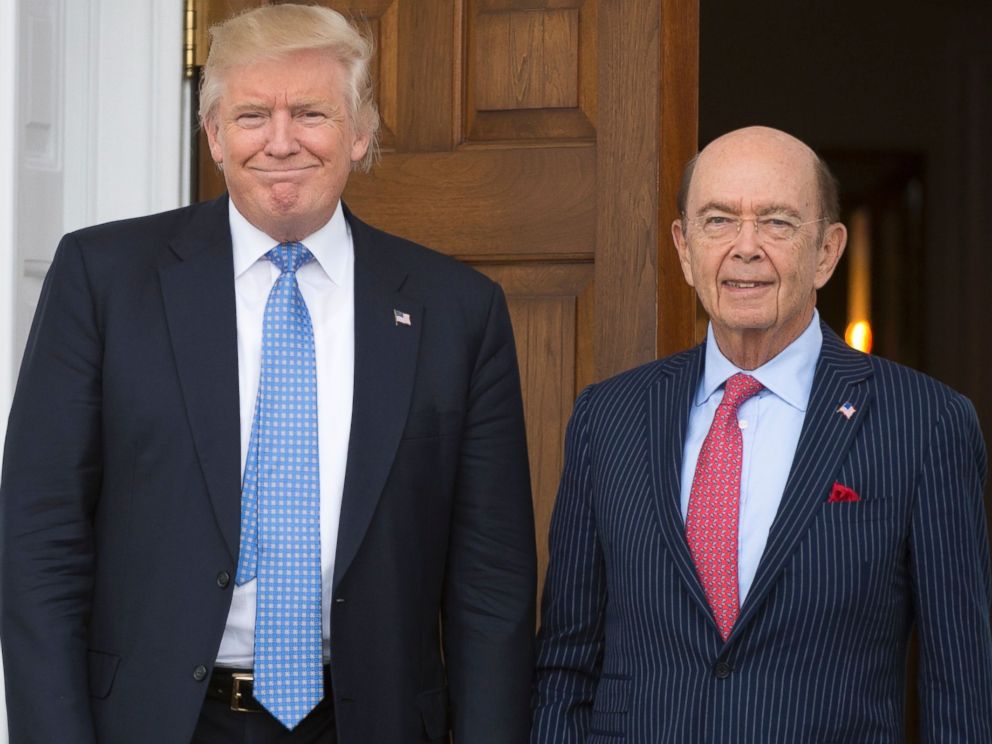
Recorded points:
(714, 505)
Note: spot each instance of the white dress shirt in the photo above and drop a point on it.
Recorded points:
(328, 287)
(770, 424)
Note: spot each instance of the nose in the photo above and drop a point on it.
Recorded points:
(282, 141)
(747, 246)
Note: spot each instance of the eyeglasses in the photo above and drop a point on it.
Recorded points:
(773, 228)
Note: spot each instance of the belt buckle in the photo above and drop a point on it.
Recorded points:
(238, 702)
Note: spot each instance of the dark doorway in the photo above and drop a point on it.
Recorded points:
(897, 97)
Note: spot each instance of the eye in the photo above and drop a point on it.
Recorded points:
(777, 228)
(717, 220)
(312, 117)
(250, 119)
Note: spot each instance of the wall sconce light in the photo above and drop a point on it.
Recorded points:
(858, 334)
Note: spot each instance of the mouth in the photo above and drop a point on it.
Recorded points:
(739, 284)
(283, 172)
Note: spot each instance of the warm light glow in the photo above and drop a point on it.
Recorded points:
(858, 335)
(858, 257)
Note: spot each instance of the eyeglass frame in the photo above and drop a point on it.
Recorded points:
(757, 226)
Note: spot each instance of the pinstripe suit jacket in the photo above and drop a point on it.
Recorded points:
(629, 650)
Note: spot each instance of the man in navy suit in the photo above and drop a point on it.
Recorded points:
(747, 532)
(125, 617)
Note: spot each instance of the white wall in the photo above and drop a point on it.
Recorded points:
(8, 118)
(100, 125)
(96, 132)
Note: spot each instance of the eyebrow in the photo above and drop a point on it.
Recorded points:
(717, 206)
(778, 209)
(761, 211)
(310, 103)
(259, 105)
(239, 108)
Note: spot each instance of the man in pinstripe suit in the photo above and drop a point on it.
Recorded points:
(746, 532)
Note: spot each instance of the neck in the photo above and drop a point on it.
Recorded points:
(285, 228)
(750, 349)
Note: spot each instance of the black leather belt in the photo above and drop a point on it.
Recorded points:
(235, 686)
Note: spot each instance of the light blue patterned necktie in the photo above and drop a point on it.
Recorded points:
(280, 504)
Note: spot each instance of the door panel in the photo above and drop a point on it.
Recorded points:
(476, 203)
(551, 306)
(540, 141)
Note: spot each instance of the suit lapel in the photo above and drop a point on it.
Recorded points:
(385, 367)
(826, 437)
(669, 401)
(198, 295)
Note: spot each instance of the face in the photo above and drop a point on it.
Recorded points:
(282, 134)
(759, 293)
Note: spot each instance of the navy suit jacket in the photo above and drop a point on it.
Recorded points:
(628, 649)
(121, 495)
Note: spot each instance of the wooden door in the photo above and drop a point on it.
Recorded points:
(540, 141)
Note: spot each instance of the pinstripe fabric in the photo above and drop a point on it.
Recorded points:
(628, 649)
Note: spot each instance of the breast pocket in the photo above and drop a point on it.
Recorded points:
(852, 563)
(872, 510)
(863, 531)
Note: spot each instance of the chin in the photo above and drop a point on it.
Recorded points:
(750, 323)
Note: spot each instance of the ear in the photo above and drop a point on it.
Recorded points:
(360, 146)
(831, 249)
(212, 130)
(682, 246)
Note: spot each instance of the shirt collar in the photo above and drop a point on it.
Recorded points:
(330, 245)
(789, 375)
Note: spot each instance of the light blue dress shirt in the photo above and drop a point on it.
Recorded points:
(770, 424)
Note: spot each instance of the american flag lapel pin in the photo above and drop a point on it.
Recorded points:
(847, 410)
(401, 317)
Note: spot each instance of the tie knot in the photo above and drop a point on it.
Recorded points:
(738, 389)
(289, 256)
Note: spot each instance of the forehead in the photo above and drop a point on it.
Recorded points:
(299, 75)
(748, 172)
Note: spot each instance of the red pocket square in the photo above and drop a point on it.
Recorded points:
(841, 494)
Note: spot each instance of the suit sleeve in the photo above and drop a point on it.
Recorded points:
(50, 485)
(488, 609)
(570, 643)
(953, 586)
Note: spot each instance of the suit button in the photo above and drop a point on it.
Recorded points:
(223, 579)
(722, 670)
(200, 673)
